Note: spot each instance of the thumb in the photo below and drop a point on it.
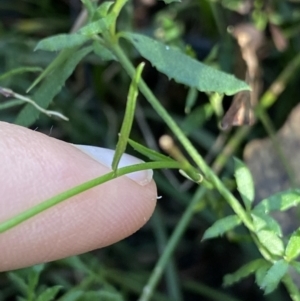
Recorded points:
(35, 167)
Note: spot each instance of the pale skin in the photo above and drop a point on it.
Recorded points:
(35, 167)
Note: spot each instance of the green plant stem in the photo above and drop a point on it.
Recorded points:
(23, 216)
(158, 270)
(130, 282)
(209, 174)
(291, 287)
(279, 85)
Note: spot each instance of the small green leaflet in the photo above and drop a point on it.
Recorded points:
(274, 275)
(243, 272)
(280, 201)
(61, 41)
(263, 221)
(49, 293)
(244, 183)
(98, 26)
(293, 247)
(184, 69)
(271, 242)
(221, 226)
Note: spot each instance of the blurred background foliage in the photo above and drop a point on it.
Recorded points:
(94, 99)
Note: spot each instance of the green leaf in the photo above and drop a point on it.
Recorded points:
(90, 6)
(280, 201)
(129, 116)
(103, 9)
(271, 242)
(184, 69)
(63, 56)
(11, 103)
(61, 41)
(293, 247)
(98, 26)
(244, 183)
(221, 226)
(49, 294)
(274, 275)
(149, 153)
(190, 100)
(261, 272)
(243, 272)
(72, 295)
(264, 221)
(34, 273)
(103, 52)
(19, 70)
(19, 282)
(51, 87)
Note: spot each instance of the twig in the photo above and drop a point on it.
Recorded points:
(10, 93)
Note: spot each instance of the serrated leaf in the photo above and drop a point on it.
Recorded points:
(221, 226)
(274, 275)
(50, 87)
(280, 201)
(244, 183)
(293, 247)
(98, 26)
(49, 294)
(243, 272)
(271, 242)
(184, 69)
(264, 221)
(61, 41)
(103, 52)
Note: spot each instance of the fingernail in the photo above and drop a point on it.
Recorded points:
(105, 157)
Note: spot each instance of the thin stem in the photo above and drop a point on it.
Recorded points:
(291, 287)
(23, 216)
(10, 93)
